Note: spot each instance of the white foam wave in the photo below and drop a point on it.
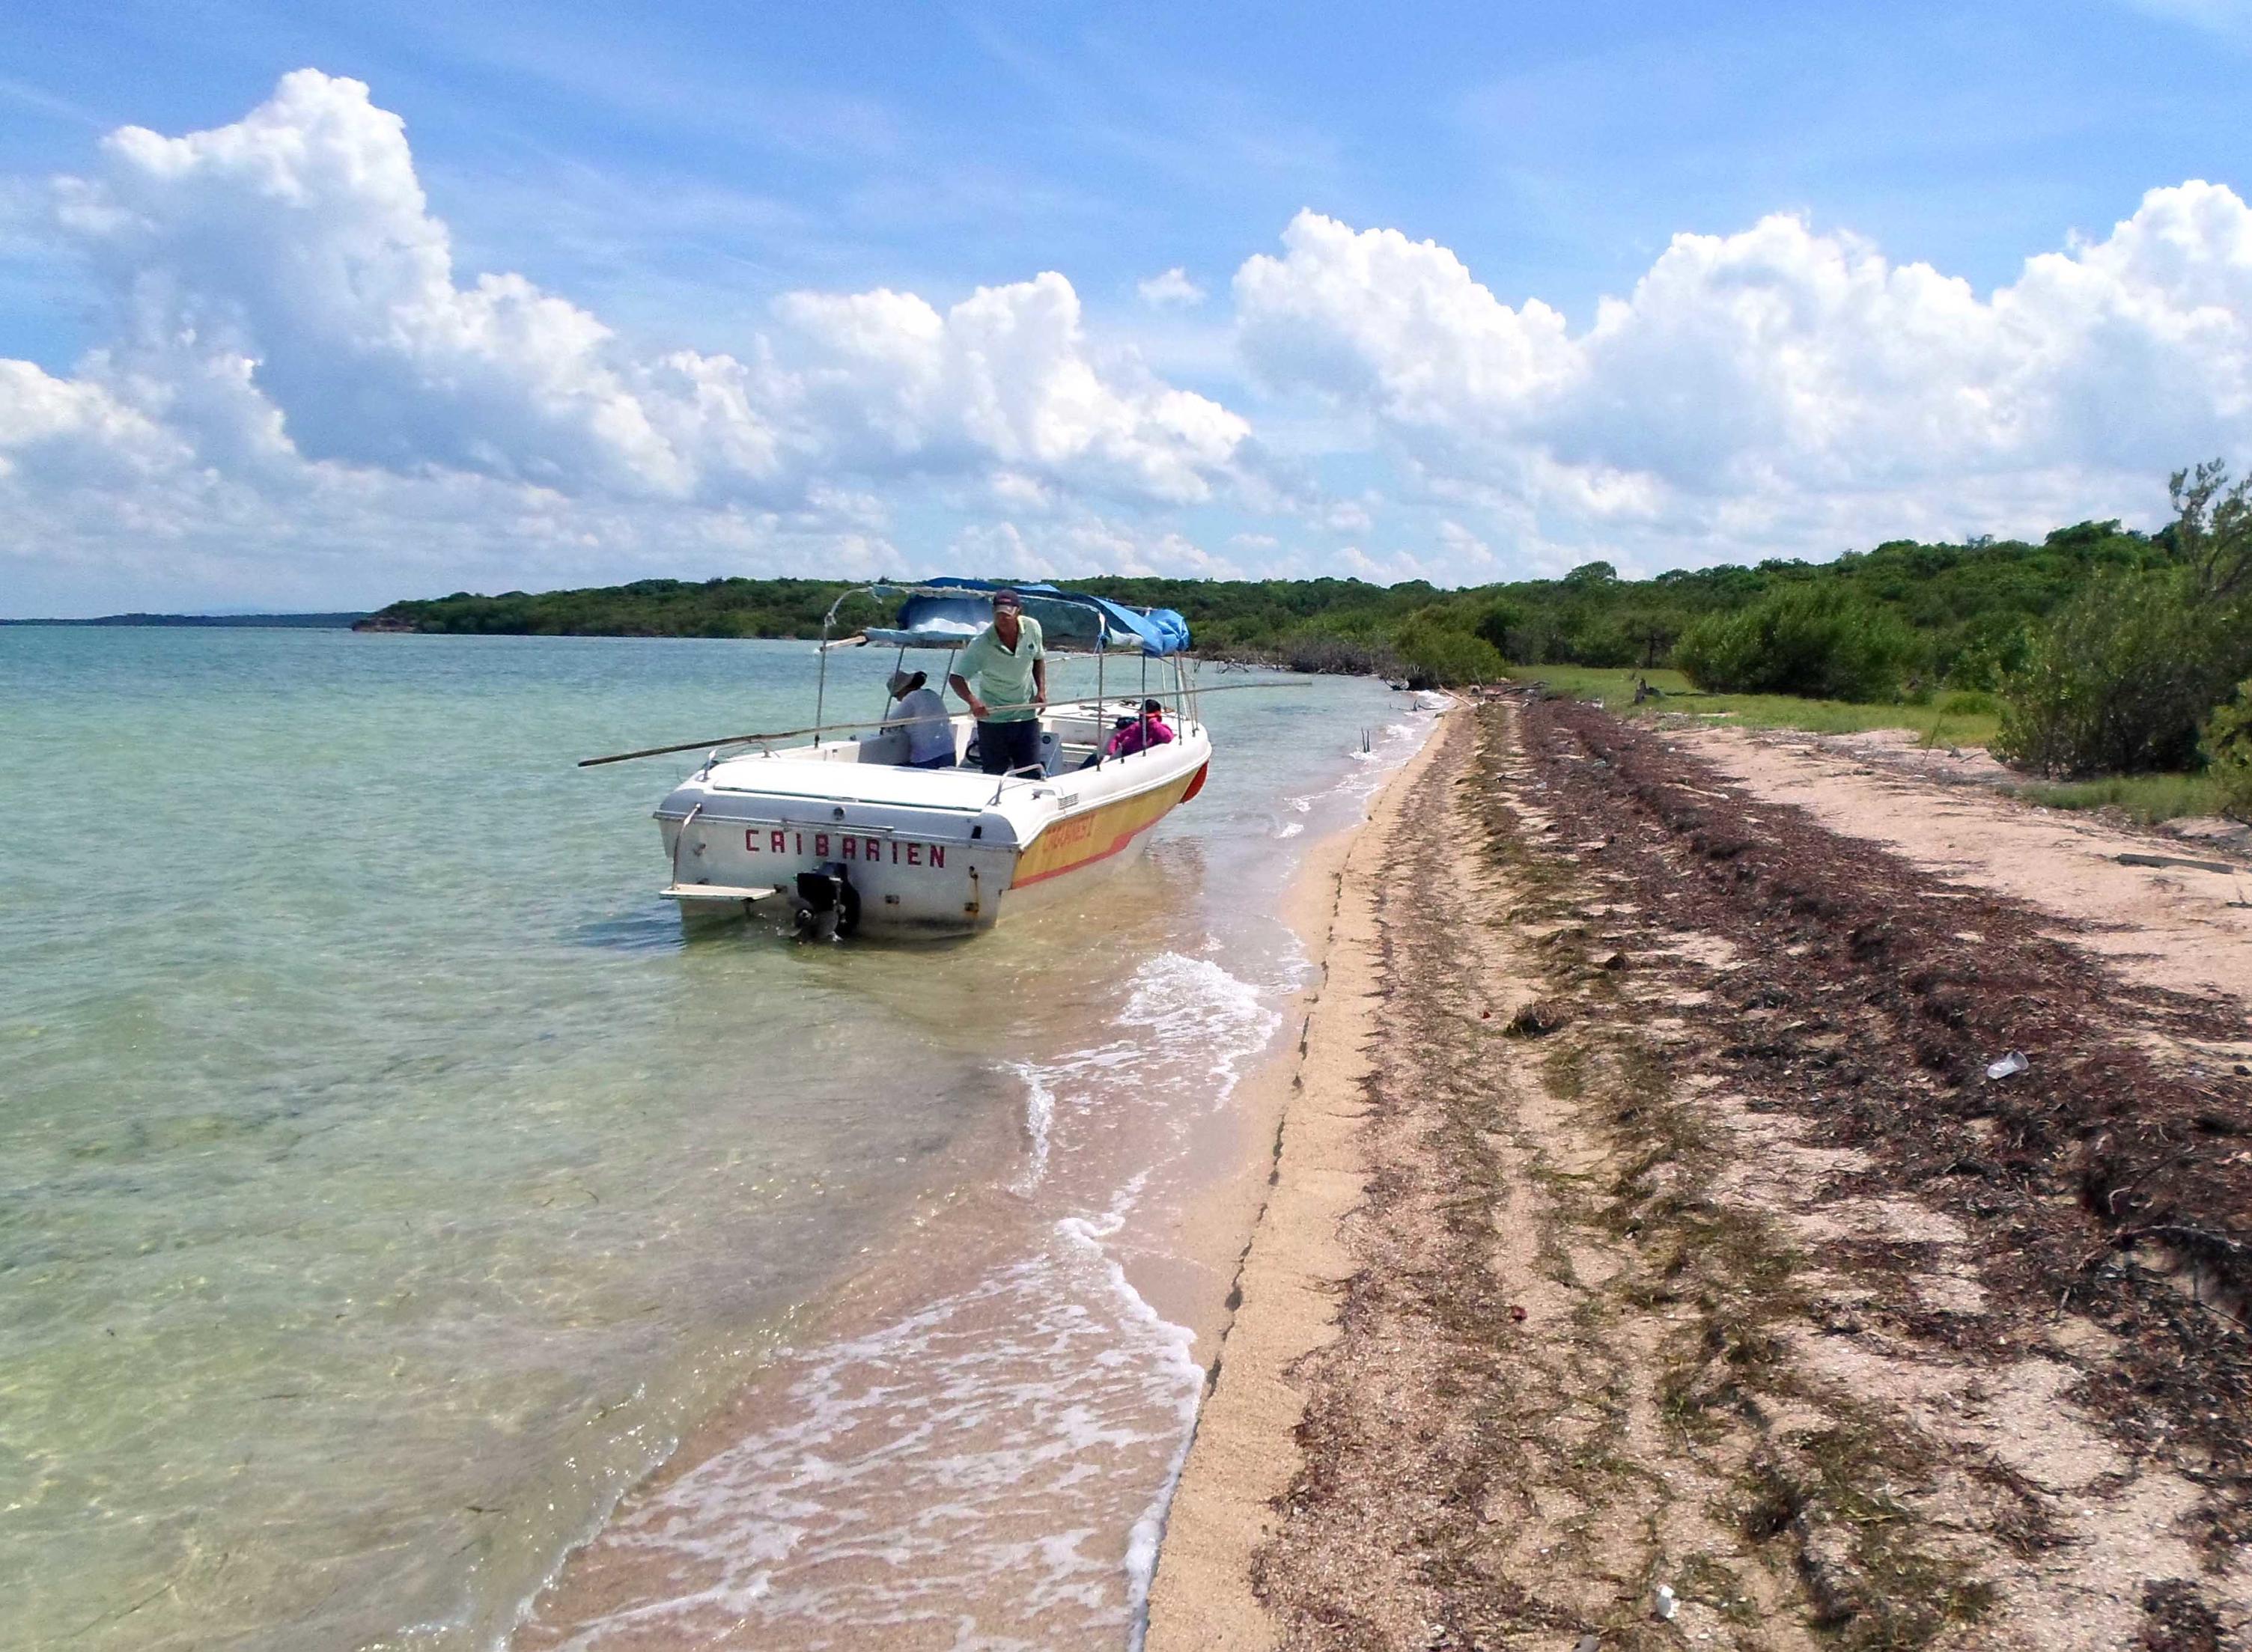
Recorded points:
(1173, 1348)
(1039, 1119)
(946, 1478)
(995, 1469)
(1289, 829)
(1185, 1003)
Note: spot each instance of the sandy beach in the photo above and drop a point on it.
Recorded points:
(1650, 1260)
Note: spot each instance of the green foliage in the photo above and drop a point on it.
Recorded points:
(1986, 650)
(647, 607)
(1442, 657)
(2212, 532)
(1972, 605)
(2145, 799)
(2120, 678)
(2120, 681)
(2228, 752)
(1820, 642)
(1968, 703)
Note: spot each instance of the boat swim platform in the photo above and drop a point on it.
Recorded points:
(716, 892)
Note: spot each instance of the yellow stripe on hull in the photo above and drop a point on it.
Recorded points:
(1099, 833)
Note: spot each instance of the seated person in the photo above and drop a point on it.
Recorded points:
(1132, 734)
(1139, 733)
(922, 714)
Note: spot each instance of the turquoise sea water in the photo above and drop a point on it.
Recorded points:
(385, 1180)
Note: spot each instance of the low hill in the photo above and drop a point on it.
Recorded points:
(254, 621)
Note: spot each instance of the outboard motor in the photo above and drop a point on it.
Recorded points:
(827, 905)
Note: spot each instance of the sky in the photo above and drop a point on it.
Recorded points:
(313, 305)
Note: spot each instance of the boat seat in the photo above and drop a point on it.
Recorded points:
(1052, 752)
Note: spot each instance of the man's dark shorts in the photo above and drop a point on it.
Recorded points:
(1002, 746)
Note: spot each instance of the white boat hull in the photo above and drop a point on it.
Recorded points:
(923, 852)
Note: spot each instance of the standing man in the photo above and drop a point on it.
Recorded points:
(1009, 663)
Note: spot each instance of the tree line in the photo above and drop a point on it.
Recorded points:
(2110, 650)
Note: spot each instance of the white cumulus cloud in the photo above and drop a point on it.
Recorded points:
(1764, 387)
(286, 316)
(1170, 289)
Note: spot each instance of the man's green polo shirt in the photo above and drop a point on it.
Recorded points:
(1002, 676)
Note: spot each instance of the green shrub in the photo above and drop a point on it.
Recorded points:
(1436, 657)
(1968, 703)
(2228, 749)
(1818, 641)
(2120, 680)
(1988, 649)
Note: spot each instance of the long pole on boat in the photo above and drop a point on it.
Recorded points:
(872, 722)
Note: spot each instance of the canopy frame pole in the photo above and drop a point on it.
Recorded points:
(821, 673)
(1102, 651)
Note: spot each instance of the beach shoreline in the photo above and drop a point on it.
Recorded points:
(1242, 1455)
(1650, 1258)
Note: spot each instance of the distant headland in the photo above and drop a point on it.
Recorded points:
(260, 621)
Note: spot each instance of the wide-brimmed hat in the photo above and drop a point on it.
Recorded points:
(905, 682)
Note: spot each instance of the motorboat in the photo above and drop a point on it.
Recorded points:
(849, 840)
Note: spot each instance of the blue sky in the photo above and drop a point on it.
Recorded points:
(677, 174)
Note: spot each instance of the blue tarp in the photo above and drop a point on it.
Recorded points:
(1067, 618)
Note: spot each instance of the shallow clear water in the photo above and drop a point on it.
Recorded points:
(386, 1181)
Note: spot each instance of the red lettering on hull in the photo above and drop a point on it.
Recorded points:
(874, 852)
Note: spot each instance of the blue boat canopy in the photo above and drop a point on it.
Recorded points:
(947, 613)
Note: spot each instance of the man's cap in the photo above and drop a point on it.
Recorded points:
(1008, 599)
(905, 682)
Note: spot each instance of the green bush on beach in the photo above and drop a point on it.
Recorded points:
(2228, 752)
(2123, 676)
(1818, 641)
(1440, 657)
(2116, 685)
